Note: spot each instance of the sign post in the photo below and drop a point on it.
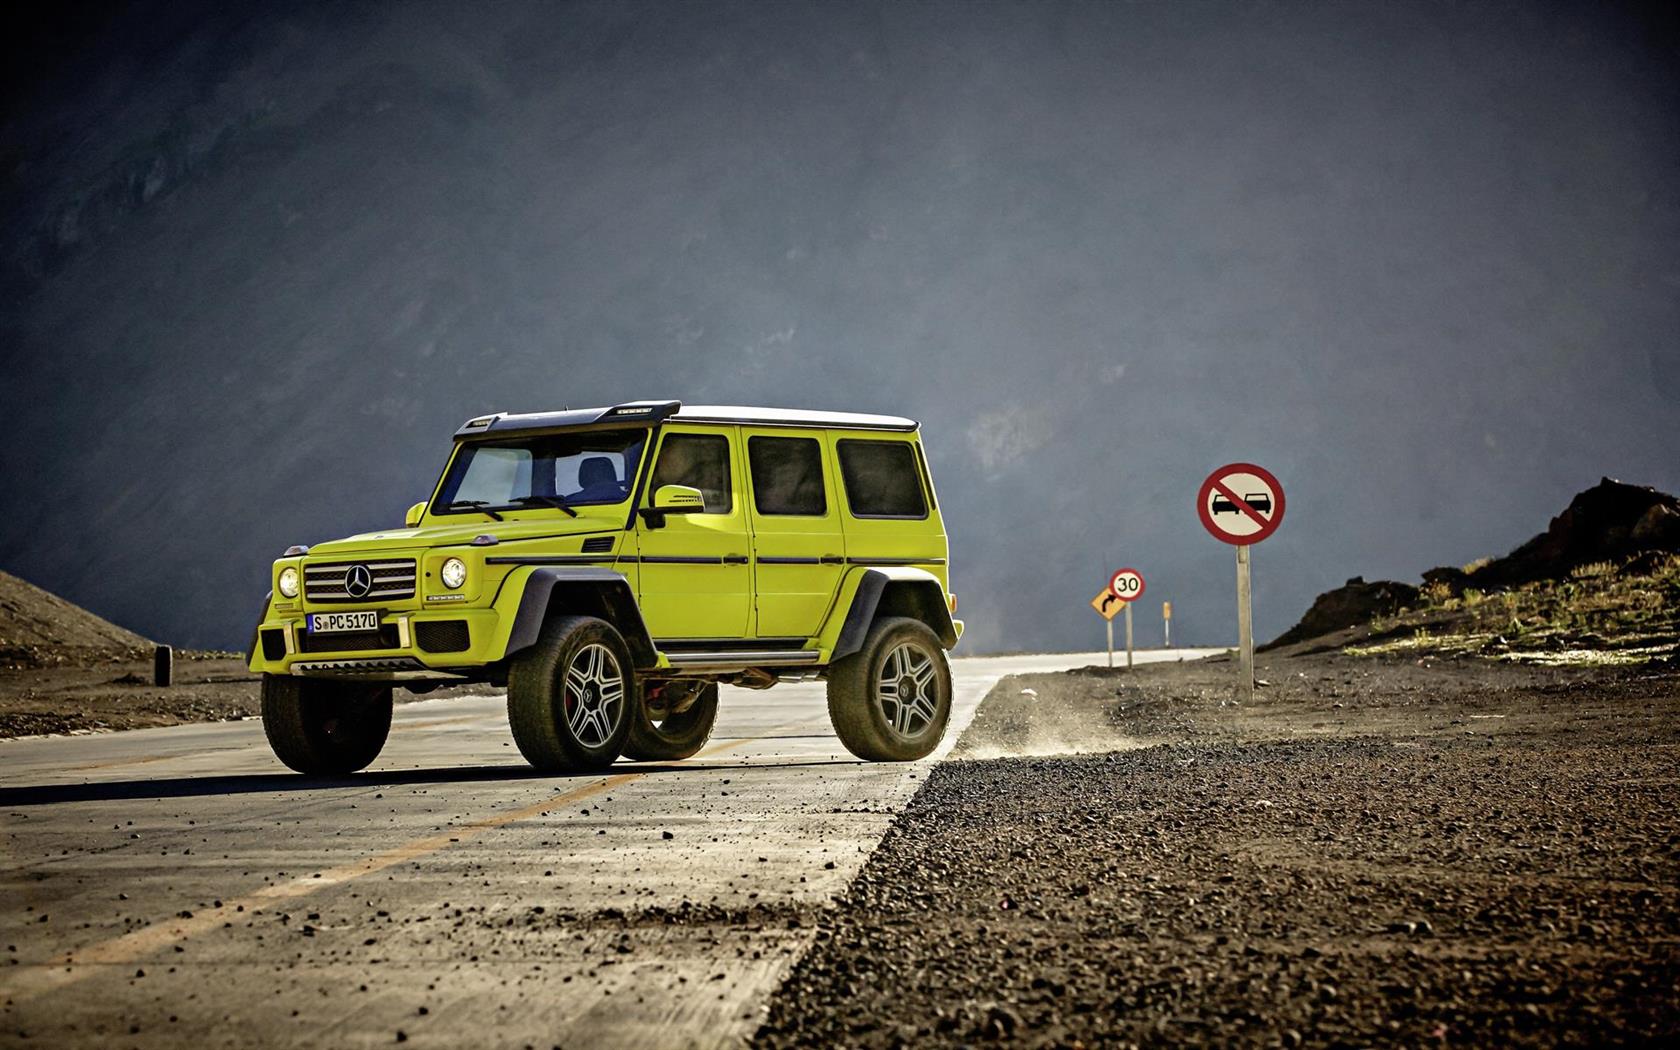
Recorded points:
(1127, 585)
(1245, 625)
(1242, 504)
(1124, 588)
(1108, 607)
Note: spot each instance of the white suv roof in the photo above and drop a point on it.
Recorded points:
(657, 411)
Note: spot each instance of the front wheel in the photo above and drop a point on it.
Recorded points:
(322, 727)
(890, 701)
(569, 696)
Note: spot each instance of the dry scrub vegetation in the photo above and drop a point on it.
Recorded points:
(1625, 612)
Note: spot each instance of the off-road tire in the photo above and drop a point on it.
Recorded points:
(543, 709)
(321, 727)
(678, 736)
(858, 706)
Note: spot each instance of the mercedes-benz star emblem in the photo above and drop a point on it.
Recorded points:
(358, 581)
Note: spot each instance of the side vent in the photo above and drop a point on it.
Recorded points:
(599, 544)
(274, 644)
(443, 636)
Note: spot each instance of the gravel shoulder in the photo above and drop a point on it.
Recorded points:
(96, 695)
(1376, 851)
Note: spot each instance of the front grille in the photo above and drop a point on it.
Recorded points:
(443, 636)
(274, 644)
(392, 580)
(349, 641)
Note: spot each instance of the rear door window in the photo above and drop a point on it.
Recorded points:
(881, 479)
(787, 476)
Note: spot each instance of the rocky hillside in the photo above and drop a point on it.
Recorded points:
(1602, 582)
(39, 629)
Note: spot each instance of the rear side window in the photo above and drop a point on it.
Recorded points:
(787, 476)
(700, 461)
(881, 479)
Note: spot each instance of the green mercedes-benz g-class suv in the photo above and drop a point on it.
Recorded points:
(610, 567)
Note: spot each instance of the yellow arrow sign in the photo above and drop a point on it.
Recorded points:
(1107, 605)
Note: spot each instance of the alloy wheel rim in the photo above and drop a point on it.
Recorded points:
(594, 694)
(908, 690)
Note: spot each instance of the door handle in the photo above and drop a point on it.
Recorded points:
(735, 559)
(832, 559)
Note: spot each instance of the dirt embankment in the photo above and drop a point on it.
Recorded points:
(1387, 852)
(119, 694)
(40, 629)
(65, 670)
(1600, 585)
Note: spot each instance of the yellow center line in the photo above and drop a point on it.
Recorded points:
(396, 727)
(31, 981)
(123, 762)
(487, 716)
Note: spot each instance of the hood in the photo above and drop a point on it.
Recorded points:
(455, 534)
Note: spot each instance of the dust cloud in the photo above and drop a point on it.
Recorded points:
(1010, 726)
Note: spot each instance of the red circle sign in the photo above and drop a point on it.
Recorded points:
(1240, 504)
(1126, 585)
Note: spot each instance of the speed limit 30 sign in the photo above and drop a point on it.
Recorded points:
(1126, 585)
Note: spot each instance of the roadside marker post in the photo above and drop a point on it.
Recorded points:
(1242, 504)
(1166, 625)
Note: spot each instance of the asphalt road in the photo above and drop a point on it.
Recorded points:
(177, 886)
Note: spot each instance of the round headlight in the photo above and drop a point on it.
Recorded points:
(289, 582)
(454, 573)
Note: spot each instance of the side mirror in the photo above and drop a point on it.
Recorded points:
(679, 499)
(412, 518)
(673, 499)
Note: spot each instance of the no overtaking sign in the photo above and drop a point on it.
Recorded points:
(1241, 504)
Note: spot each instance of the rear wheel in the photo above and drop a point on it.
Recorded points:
(322, 727)
(674, 722)
(569, 696)
(890, 701)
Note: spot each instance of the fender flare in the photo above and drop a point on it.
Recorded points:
(914, 592)
(590, 591)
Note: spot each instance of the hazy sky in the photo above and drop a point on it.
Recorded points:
(1421, 260)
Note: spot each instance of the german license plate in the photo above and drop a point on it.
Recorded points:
(329, 623)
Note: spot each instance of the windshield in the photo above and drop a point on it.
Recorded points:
(542, 470)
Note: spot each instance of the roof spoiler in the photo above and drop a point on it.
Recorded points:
(629, 412)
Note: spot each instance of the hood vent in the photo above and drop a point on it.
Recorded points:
(599, 544)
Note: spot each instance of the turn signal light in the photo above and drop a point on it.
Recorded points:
(953, 603)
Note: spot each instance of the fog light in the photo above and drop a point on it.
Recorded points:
(454, 573)
(289, 582)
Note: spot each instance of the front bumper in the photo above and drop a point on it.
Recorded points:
(408, 646)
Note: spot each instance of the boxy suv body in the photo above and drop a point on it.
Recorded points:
(610, 567)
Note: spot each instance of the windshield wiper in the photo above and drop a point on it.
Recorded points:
(482, 506)
(548, 501)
